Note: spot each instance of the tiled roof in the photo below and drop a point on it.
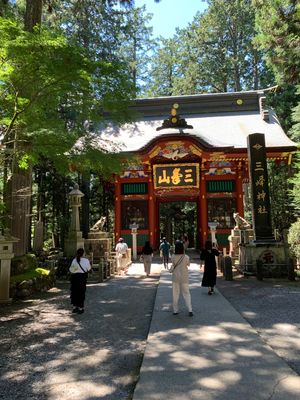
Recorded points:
(217, 119)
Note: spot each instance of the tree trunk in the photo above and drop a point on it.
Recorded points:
(33, 14)
(85, 205)
(255, 70)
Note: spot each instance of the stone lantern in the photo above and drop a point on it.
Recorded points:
(213, 229)
(6, 254)
(134, 228)
(74, 239)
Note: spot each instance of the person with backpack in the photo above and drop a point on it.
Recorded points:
(79, 269)
(164, 249)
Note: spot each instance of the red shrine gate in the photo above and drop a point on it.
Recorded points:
(205, 163)
(215, 186)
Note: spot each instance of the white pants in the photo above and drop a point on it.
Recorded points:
(184, 289)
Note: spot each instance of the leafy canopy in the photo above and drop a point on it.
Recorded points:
(49, 87)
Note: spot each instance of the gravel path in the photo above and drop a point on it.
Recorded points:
(46, 352)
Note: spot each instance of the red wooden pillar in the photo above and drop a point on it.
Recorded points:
(239, 191)
(152, 213)
(117, 209)
(202, 212)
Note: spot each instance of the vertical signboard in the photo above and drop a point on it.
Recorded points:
(261, 210)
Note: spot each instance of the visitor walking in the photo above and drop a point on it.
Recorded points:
(146, 257)
(121, 252)
(79, 271)
(164, 249)
(208, 255)
(180, 278)
(186, 241)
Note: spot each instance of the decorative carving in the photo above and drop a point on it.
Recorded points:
(174, 151)
(174, 121)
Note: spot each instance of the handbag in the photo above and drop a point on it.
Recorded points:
(87, 273)
(173, 266)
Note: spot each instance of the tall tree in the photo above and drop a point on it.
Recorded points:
(215, 53)
(49, 88)
(136, 45)
(163, 69)
(278, 27)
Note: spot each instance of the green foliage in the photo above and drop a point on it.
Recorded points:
(49, 87)
(282, 209)
(278, 26)
(215, 53)
(136, 45)
(294, 238)
(33, 273)
(295, 130)
(24, 263)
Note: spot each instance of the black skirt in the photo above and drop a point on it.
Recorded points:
(210, 267)
(78, 288)
(210, 276)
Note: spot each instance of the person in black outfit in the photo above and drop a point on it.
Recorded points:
(208, 255)
(79, 271)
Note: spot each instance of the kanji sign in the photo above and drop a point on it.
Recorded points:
(176, 175)
(260, 190)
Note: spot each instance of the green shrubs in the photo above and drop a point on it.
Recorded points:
(33, 273)
(294, 238)
(22, 264)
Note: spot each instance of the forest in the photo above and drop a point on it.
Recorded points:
(66, 65)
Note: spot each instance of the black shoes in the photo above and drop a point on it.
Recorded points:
(190, 313)
(77, 310)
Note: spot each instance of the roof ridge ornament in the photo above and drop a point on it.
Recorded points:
(174, 121)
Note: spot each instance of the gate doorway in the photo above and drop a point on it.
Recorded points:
(177, 219)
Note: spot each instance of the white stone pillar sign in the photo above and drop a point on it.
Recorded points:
(6, 254)
(134, 228)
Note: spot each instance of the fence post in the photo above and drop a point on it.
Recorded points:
(228, 268)
(259, 270)
(291, 270)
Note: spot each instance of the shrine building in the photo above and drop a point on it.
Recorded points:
(191, 164)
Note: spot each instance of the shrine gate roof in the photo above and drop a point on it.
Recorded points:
(219, 121)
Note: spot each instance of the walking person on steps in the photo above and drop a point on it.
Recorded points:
(208, 255)
(180, 278)
(146, 257)
(79, 269)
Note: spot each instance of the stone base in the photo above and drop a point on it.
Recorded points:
(98, 235)
(273, 256)
(98, 247)
(73, 242)
(6, 301)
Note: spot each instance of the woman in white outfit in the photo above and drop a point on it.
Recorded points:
(180, 278)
